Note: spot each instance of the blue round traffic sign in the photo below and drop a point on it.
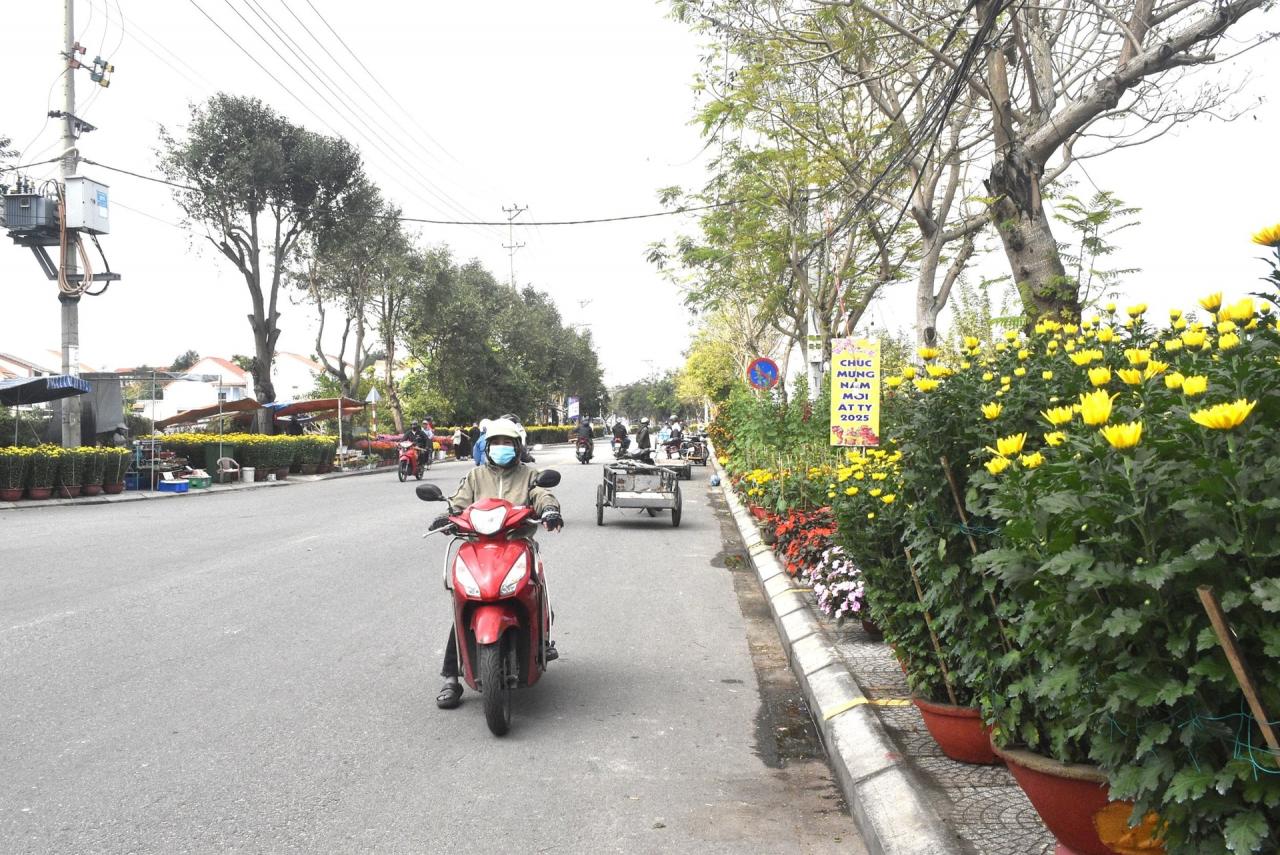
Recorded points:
(762, 373)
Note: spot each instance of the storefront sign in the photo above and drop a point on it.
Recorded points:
(855, 392)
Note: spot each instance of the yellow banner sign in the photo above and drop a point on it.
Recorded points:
(855, 392)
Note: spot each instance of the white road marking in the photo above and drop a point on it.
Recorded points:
(46, 619)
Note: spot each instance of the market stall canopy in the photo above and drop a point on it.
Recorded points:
(317, 406)
(187, 417)
(37, 390)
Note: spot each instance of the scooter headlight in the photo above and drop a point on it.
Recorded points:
(462, 575)
(517, 572)
(488, 522)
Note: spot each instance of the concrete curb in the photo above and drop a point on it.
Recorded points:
(884, 795)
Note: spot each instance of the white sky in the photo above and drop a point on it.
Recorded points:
(576, 109)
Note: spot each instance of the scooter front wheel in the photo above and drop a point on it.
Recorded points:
(403, 471)
(493, 683)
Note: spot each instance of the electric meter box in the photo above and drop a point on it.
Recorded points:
(87, 205)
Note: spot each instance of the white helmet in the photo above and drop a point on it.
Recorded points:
(645, 420)
(484, 425)
(504, 427)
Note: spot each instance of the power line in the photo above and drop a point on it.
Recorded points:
(671, 212)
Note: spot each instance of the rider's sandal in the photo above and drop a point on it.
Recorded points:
(552, 653)
(450, 696)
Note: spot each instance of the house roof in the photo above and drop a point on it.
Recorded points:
(306, 360)
(226, 365)
(28, 364)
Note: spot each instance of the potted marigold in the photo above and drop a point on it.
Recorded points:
(115, 465)
(70, 478)
(44, 471)
(94, 470)
(15, 465)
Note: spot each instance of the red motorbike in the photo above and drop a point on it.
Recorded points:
(501, 611)
(411, 463)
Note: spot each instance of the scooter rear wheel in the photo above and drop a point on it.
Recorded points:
(493, 683)
(403, 471)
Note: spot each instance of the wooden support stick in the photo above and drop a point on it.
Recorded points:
(928, 622)
(1227, 638)
(973, 545)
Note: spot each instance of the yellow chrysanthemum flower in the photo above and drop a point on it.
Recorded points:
(1194, 385)
(1010, 335)
(1136, 311)
(1007, 446)
(1106, 334)
(908, 372)
(1031, 461)
(851, 491)
(1228, 341)
(1110, 308)
(938, 371)
(965, 366)
(1155, 368)
(1224, 416)
(992, 410)
(1225, 327)
(1055, 438)
(1019, 372)
(970, 342)
(1095, 407)
(1058, 416)
(928, 354)
(1137, 355)
(1083, 357)
(1024, 355)
(1173, 381)
(1173, 344)
(875, 492)
(1006, 380)
(926, 384)
(1270, 236)
(987, 376)
(1240, 311)
(996, 465)
(889, 499)
(1130, 376)
(1100, 376)
(1174, 314)
(1194, 338)
(1046, 375)
(1123, 436)
(1212, 302)
(1180, 324)
(893, 382)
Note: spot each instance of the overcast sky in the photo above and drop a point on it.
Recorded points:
(575, 109)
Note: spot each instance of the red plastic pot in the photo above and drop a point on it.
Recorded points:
(870, 628)
(1069, 798)
(113, 489)
(11, 495)
(68, 491)
(758, 512)
(959, 732)
(39, 492)
(91, 489)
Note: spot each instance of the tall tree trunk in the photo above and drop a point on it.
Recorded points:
(927, 305)
(1026, 233)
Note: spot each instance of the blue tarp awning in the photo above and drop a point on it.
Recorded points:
(37, 390)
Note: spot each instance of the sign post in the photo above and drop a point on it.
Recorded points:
(855, 392)
(573, 408)
(762, 373)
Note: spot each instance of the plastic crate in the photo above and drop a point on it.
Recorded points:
(200, 483)
(172, 486)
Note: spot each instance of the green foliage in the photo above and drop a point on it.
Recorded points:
(1095, 221)
(185, 361)
(654, 397)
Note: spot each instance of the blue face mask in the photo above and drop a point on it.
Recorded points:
(503, 455)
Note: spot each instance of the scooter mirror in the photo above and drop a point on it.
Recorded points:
(431, 493)
(546, 478)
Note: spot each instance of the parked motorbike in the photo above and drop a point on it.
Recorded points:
(411, 462)
(501, 610)
(583, 450)
(620, 445)
(694, 449)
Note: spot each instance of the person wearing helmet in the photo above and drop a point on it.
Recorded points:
(525, 456)
(642, 435)
(502, 476)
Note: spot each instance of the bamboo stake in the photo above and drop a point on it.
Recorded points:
(973, 545)
(1227, 638)
(928, 622)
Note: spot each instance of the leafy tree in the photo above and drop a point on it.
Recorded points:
(654, 396)
(710, 371)
(257, 185)
(185, 361)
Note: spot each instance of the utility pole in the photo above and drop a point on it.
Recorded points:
(70, 163)
(815, 344)
(511, 246)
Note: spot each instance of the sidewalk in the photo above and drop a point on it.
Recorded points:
(905, 796)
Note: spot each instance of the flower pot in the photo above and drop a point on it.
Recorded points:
(260, 474)
(767, 534)
(310, 468)
(11, 495)
(872, 630)
(68, 491)
(959, 732)
(39, 492)
(758, 512)
(91, 490)
(1072, 799)
(282, 473)
(113, 489)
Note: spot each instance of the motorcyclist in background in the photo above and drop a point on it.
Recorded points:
(502, 476)
(620, 434)
(583, 431)
(642, 435)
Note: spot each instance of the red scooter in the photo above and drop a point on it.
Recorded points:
(410, 463)
(501, 611)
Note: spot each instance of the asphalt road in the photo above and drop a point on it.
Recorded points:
(256, 672)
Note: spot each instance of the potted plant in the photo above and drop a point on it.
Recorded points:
(94, 471)
(115, 465)
(15, 465)
(43, 472)
(70, 478)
